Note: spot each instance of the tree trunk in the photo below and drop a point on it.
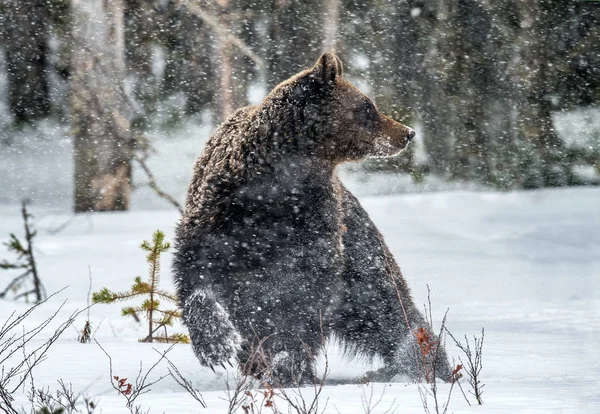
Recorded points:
(226, 80)
(26, 34)
(331, 25)
(190, 45)
(535, 122)
(244, 70)
(435, 106)
(140, 30)
(222, 10)
(294, 38)
(99, 110)
(471, 80)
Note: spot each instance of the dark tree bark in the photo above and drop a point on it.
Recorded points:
(536, 86)
(99, 110)
(471, 84)
(26, 36)
(295, 35)
(435, 66)
(190, 46)
(141, 29)
(487, 79)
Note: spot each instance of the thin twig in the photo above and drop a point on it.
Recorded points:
(221, 31)
(141, 386)
(154, 185)
(474, 363)
(184, 383)
(13, 377)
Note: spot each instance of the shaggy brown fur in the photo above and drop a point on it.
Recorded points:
(273, 248)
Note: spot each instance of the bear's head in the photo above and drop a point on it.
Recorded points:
(340, 123)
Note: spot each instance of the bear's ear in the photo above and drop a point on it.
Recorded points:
(328, 68)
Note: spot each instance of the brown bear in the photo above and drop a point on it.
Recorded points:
(273, 254)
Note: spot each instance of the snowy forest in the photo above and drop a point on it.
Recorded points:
(492, 210)
(483, 80)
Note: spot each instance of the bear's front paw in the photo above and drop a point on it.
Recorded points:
(214, 338)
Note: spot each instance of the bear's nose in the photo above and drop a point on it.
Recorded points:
(411, 134)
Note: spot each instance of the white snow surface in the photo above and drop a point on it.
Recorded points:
(524, 265)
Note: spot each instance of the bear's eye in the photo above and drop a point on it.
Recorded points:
(366, 113)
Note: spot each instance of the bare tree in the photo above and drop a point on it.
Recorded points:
(227, 87)
(189, 67)
(99, 108)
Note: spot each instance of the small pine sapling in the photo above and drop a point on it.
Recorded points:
(158, 319)
(25, 260)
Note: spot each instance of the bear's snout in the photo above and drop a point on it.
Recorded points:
(398, 135)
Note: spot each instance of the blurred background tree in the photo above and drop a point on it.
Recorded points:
(26, 37)
(481, 78)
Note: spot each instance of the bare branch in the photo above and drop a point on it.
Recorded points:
(474, 363)
(220, 30)
(184, 383)
(154, 185)
(13, 377)
(369, 405)
(132, 391)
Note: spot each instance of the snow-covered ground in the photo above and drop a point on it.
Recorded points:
(524, 265)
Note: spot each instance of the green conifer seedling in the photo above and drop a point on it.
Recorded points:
(158, 319)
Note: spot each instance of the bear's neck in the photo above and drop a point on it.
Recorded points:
(292, 177)
(287, 139)
(282, 158)
(300, 169)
